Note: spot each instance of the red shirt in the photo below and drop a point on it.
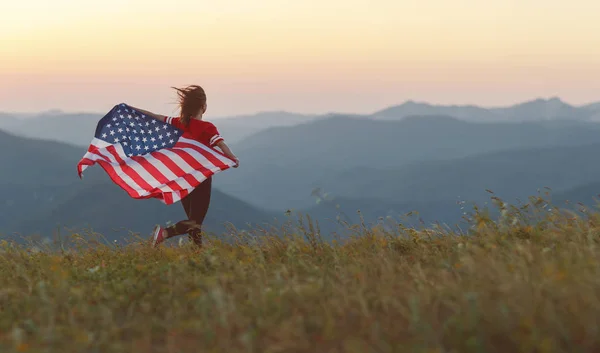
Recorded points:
(202, 131)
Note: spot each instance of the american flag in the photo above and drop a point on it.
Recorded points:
(149, 158)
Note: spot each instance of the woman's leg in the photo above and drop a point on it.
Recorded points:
(195, 206)
(198, 210)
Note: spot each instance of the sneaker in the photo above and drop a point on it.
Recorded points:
(159, 236)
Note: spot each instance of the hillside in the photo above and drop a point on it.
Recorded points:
(283, 165)
(73, 128)
(593, 106)
(237, 128)
(335, 214)
(104, 208)
(7, 120)
(510, 174)
(423, 163)
(31, 161)
(40, 189)
(491, 287)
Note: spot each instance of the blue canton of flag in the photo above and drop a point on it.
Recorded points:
(137, 133)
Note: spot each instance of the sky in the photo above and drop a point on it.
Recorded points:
(304, 56)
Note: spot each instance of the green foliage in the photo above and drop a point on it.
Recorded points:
(526, 282)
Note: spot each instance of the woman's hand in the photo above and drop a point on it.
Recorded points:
(227, 151)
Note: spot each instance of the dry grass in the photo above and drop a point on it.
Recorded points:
(509, 286)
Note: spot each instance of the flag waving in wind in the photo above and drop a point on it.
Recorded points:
(149, 158)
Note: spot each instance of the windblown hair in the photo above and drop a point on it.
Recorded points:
(191, 100)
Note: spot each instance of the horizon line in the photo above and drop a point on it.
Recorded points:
(464, 105)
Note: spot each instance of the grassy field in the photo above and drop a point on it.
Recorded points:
(523, 283)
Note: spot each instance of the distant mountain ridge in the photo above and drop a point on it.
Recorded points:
(535, 110)
(282, 165)
(379, 164)
(78, 128)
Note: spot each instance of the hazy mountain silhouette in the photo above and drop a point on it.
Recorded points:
(380, 165)
(79, 128)
(534, 110)
(510, 174)
(543, 109)
(27, 161)
(105, 208)
(41, 189)
(72, 128)
(282, 165)
(236, 128)
(8, 120)
(593, 106)
(412, 108)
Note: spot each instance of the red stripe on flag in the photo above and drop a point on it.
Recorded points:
(208, 155)
(110, 169)
(151, 169)
(112, 173)
(189, 159)
(83, 162)
(129, 171)
(168, 198)
(183, 193)
(176, 169)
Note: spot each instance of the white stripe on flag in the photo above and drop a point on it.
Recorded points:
(158, 164)
(221, 158)
(116, 167)
(181, 163)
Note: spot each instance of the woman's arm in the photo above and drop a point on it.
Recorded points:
(150, 114)
(227, 151)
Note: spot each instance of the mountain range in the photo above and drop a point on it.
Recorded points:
(78, 128)
(385, 165)
(283, 165)
(534, 110)
(41, 191)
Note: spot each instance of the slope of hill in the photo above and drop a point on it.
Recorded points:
(76, 129)
(592, 106)
(31, 161)
(510, 174)
(105, 208)
(282, 165)
(40, 188)
(236, 128)
(8, 120)
(336, 214)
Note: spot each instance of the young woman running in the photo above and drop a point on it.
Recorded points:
(192, 104)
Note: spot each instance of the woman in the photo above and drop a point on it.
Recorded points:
(192, 104)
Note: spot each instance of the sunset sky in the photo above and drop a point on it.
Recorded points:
(304, 56)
